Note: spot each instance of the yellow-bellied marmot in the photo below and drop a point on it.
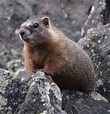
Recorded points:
(49, 50)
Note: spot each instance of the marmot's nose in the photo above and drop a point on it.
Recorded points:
(22, 32)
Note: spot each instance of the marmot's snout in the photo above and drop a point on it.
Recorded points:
(24, 34)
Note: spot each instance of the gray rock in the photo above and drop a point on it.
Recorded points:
(97, 45)
(31, 95)
(5, 79)
(39, 94)
(43, 97)
(95, 16)
(75, 102)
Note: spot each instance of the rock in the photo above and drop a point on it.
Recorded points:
(106, 13)
(95, 16)
(99, 15)
(43, 96)
(39, 94)
(13, 66)
(5, 79)
(36, 94)
(75, 102)
(96, 43)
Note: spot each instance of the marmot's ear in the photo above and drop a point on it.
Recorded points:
(45, 21)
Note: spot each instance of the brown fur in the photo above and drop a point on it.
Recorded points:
(61, 58)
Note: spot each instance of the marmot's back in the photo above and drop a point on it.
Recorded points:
(78, 71)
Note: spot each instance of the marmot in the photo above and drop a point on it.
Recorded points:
(47, 49)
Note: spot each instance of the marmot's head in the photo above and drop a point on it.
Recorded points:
(35, 30)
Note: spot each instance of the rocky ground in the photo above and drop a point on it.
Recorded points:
(38, 94)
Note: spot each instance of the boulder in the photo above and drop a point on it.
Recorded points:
(39, 94)
(96, 43)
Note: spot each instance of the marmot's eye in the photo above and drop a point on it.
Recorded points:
(36, 25)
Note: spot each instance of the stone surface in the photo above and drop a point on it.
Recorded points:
(95, 17)
(5, 79)
(39, 94)
(97, 45)
(43, 97)
(36, 94)
(75, 102)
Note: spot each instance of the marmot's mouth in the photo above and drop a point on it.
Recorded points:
(26, 39)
